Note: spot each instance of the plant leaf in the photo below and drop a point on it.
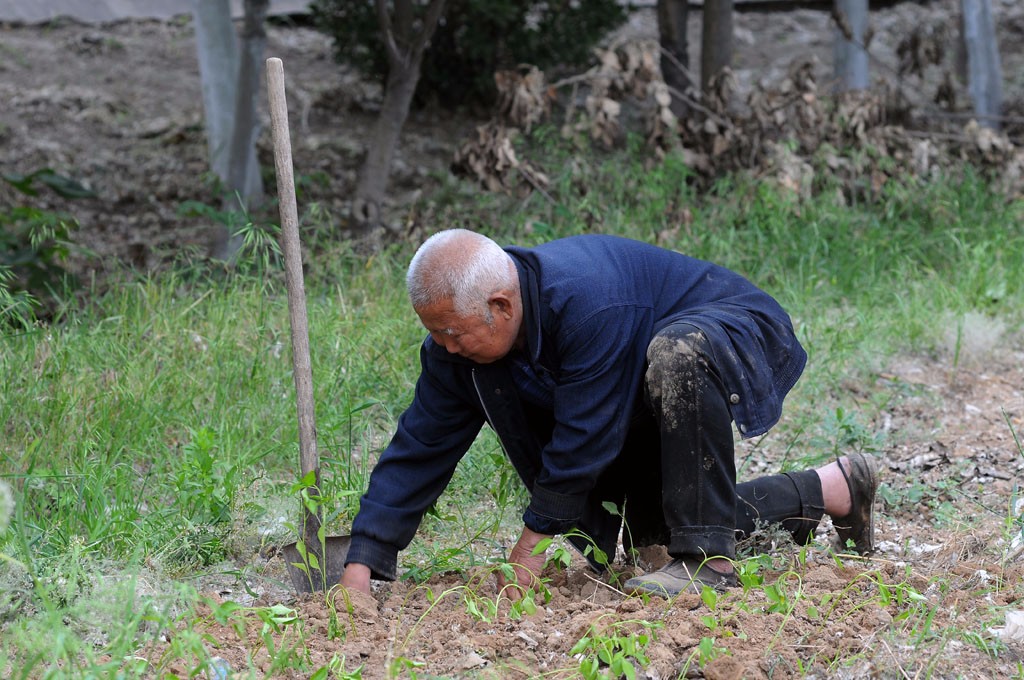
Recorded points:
(65, 186)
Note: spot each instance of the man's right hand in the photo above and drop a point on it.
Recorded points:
(356, 577)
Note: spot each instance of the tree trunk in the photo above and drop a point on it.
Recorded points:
(851, 54)
(675, 59)
(244, 188)
(716, 42)
(373, 176)
(217, 50)
(405, 50)
(984, 72)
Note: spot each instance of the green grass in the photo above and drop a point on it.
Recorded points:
(153, 431)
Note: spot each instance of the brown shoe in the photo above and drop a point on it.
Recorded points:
(859, 525)
(688, 574)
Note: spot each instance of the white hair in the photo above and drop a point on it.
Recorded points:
(462, 266)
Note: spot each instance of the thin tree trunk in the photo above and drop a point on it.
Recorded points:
(373, 178)
(244, 176)
(405, 54)
(217, 51)
(851, 54)
(675, 60)
(717, 41)
(244, 188)
(984, 72)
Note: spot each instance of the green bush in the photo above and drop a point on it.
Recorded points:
(474, 38)
(33, 245)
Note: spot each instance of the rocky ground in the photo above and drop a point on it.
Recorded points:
(119, 108)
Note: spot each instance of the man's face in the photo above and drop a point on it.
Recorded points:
(472, 337)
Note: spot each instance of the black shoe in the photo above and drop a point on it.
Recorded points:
(859, 525)
(690, 574)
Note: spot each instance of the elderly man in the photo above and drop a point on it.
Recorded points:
(611, 371)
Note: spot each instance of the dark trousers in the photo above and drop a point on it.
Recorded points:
(680, 468)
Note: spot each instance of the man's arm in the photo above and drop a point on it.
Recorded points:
(432, 435)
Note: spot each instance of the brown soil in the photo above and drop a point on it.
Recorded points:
(119, 107)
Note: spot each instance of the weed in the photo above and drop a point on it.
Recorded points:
(33, 246)
(615, 650)
(16, 306)
(335, 668)
(401, 663)
(989, 646)
(706, 651)
(281, 632)
(842, 432)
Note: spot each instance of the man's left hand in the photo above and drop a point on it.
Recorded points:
(526, 565)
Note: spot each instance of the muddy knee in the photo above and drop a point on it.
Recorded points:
(676, 362)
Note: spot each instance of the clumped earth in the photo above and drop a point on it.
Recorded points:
(119, 108)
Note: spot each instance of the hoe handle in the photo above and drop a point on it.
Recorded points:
(309, 459)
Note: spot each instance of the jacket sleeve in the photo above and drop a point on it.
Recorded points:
(601, 364)
(432, 436)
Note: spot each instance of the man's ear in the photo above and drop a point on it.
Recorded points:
(501, 303)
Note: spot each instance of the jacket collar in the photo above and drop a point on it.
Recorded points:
(529, 290)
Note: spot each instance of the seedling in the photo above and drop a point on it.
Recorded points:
(613, 652)
(705, 652)
(401, 663)
(335, 670)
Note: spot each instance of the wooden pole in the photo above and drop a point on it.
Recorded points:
(303, 373)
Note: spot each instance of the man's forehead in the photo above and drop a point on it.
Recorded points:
(440, 314)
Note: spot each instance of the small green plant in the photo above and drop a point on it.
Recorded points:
(315, 506)
(16, 306)
(207, 497)
(524, 603)
(34, 244)
(260, 250)
(709, 596)
(748, 573)
(207, 480)
(335, 668)
(614, 651)
(402, 664)
(986, 644)
(560, 557)
(779, 600)
(843, 432)
(704, 653)
(480, 608)
(281, 632)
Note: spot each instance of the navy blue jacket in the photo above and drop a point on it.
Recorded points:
(591, 305)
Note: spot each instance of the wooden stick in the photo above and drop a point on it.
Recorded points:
(303, 373)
